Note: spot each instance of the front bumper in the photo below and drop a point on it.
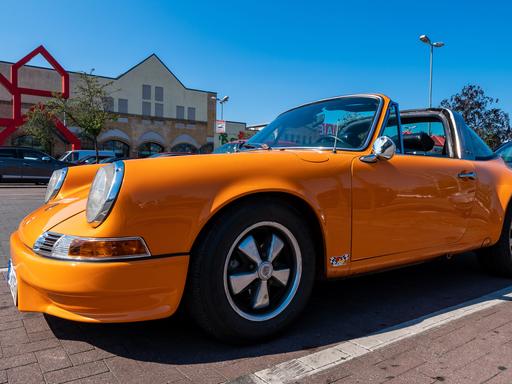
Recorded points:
(100, 292)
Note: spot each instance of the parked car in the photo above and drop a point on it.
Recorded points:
(111, 159)
(505, 152)
(27, 165)
(169, 154)
(240, 238)
(79, 154)
(91, 159)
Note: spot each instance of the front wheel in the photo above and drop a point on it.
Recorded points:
(252, 273)
(497, 259)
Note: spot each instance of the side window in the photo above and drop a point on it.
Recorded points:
(27, 154)
(391, 129)
(425, 136)
(7, 153)
(479, 149)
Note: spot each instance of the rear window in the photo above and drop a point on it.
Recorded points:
(474, 148)
(8, 152)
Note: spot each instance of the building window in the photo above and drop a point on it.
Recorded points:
(180, 112)
(27, 141)
(122, 105)
(191, 113)
(118, 147)
(146, 108)
(159, 94)
(146, 92)
(148, 149)
(108, 104)
(184, 147)
(159, 110)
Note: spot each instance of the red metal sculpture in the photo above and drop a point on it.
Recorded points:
(18, 119)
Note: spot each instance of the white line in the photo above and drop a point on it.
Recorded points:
(338, 354)
(3, 270)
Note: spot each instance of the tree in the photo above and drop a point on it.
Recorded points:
(40, 124)
(89, 109)
(481, 113)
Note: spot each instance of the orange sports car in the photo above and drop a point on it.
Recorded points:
(329, 189)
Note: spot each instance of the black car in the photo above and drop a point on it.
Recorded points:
(27, 165)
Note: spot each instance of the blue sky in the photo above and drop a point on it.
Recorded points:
(272, 55)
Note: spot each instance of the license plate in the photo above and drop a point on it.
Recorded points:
(13, 282)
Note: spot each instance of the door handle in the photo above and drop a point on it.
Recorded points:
(467, 175)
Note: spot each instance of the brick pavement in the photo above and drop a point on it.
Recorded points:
(474, 349)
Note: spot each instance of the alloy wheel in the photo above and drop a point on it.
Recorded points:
(262, 271)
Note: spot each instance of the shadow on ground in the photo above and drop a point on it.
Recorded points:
(338, 311)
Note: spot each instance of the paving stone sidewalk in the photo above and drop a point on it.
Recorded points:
(474, 349)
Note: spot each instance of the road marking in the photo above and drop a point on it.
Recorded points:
(338, 354)
(3, 270)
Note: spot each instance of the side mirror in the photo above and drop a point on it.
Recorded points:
(46, 158)
(383, 149)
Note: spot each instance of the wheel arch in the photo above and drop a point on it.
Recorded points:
(311, 219)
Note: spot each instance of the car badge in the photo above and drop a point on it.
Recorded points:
(338, 261)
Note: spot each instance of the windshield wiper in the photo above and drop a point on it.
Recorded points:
(256, 145)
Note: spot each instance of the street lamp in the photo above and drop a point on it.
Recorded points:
(439, 44)
(221, 102)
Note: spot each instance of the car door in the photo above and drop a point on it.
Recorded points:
(36, 165)
(411, 202)
(10, 165)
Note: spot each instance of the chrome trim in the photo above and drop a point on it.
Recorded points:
(383, 149)
(44, 247)
(368, 138)
(458, 144)
(115, 187)
(467, 175)
(58, 185)
(44, 244)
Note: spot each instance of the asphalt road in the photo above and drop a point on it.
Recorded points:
(338, 311)
(16, 201)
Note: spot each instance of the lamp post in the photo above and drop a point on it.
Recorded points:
(221, 102)
(425, 39)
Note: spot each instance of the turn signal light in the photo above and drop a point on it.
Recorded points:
(67, 247)
(106, 248)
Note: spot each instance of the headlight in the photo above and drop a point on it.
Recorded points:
(55, 183)
(104, 191)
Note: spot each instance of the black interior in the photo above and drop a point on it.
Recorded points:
(418, 142)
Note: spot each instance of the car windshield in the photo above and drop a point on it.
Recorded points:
(227, 148)
(349, 120)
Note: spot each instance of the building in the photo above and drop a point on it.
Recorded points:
(256, 127)
(156, 111)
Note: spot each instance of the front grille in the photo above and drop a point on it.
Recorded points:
(44, 244)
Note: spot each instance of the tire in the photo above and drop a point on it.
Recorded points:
(497, 259)
(232, 252)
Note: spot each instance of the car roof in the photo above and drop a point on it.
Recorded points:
(13, 147)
